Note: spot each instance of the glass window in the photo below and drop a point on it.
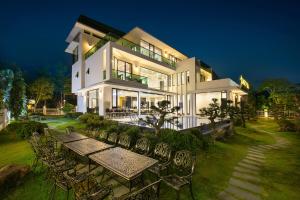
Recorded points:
(114, 98)
(188, 76)
(104, 59)
(178, 79)
(145, 48)
(182, 78)
(173, 79)
(92, 101)
(157, 55)
(75, 55)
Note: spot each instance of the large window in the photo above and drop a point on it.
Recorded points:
(151, 51)
(92, 101)
(122, 70)
(124, 99)
(156, 80)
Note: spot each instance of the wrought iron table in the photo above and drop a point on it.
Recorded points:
(124, 163)
(65, 138)
(87, 146)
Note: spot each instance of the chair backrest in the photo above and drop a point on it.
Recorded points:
(112, 138)
(70, 129)
(103, 135)
(47, 132)
(149, 192)
(142, 145)
(162, 152)
(184, 162)
(124, 140)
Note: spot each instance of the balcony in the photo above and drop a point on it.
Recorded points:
(121, 75)
(134, 47)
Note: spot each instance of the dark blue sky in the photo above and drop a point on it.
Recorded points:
(260, 39)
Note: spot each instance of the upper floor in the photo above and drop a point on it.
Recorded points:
(102, 54)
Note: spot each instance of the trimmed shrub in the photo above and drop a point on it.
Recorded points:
(68, 108)
(286, 125)
(297, 125)
(73, 115)
(180, 140)
(92, 121)
(133, 132)
(24, 129)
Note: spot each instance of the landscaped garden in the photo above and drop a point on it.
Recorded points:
(214, 165)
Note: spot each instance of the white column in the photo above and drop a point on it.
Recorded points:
(139, 104)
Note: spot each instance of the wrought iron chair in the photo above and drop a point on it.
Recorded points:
(103, 136)
(112, 138)
(90, 189)
(183, 163)
(162, 152)
(70, 129)
(142, 146)
(124, 141)
(58, 173)
(149, 192)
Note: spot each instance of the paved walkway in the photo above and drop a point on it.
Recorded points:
(245, 182)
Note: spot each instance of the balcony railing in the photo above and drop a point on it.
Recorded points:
(129, 77)
(132, 46)
(145, 52)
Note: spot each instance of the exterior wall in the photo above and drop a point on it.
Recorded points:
(204, 99)
(76, 81)
(96, 64)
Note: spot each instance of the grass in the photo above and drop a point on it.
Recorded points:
(212, 172)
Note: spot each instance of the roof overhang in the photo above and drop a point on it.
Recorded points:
(137, 33)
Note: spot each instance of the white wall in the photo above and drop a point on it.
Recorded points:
(204, 99)
(96, 64)
(76, 81)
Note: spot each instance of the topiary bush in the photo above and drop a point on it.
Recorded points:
(134, 133)
(286, 125)
(73, 115)
(24, 129)
(180, 140)
(92, 121)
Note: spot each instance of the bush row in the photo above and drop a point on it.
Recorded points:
(289, 125)
(24, 129)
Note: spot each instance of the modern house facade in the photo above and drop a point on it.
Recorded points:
(134, 70)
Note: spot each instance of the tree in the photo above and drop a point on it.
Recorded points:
(158, 115)
(212, 112)
(6, 79)
(41, 90)
(17, 97)
(280, 95)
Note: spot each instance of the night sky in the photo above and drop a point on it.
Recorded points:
(259, 39)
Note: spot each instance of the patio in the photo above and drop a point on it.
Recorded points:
(111, 168)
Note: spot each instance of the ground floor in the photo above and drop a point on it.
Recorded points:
(103, 99)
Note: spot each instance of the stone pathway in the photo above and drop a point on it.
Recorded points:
(245, 182)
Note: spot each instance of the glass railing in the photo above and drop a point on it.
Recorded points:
(130, 77)
(132, 46)
(145, 52)
(100, 44)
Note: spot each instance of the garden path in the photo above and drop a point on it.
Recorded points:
(245, 182)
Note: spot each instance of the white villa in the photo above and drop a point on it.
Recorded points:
(113, 70)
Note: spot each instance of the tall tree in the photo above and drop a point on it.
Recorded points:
(17, 97)
(41, 90)
(280, 95)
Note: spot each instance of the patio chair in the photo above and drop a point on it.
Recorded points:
(90, 189)
(183, 163)
(142, 146)
(162, 152)
(70, 129)
(149, 192)
(112, 138)
(124, 141)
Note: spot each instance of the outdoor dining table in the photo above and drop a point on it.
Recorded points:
(124, 163)
(65, 138)
(87, 146)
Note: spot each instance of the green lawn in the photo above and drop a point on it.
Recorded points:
(213, 168)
